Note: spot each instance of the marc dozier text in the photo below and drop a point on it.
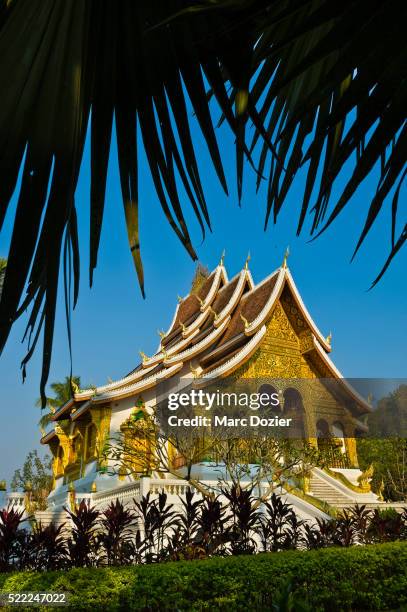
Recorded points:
(235, 402)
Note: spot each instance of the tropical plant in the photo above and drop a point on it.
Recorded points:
(145, 509)
(385, 527)
(157, 517)
(344, 529)
(361, 520)
(294, 532)
(10, 521)
(245, 518)
(116, 537)
(312, 537)
(184, 542)
(298, 70)
(213, 526)
(82, 543)
(275, 523)
(326, 531)
(62, 393)
(41, 548)
(50, 541)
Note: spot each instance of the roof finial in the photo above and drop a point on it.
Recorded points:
(212, 311)
(245, 321)
(143, 356)
(200, 300)
(179, 299)
(246, 265)
(161, 333)
(286, 256)
(194, 371)
(222, 257)
(329, 338)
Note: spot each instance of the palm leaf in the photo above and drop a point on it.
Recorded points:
(298, 69)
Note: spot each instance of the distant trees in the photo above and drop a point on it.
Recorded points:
(35, 477)
(386, 446)
(62, 391)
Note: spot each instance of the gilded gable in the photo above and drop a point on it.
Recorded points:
(280, 353)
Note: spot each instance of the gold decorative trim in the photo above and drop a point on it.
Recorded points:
(321, 505)
(342, 478)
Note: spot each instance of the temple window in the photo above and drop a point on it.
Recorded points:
(76, 447)
(323, 429)
(294, 409)
(338, 433)
(91, 434)
(59, 462)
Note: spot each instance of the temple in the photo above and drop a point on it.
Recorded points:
(223, 327)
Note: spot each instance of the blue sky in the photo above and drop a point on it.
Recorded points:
(112, 322)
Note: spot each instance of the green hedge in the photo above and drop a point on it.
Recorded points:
(358, 578)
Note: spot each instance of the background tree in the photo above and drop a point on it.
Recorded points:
(3, 264)
(298, 70)
(386, 445)
(62, 391)
(35, 477)
(250, 461)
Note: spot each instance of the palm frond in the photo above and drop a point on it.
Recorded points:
(3, 265)
(298, 69)
(324, 64)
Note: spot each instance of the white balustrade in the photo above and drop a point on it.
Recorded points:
(16, 499)
(124, 494)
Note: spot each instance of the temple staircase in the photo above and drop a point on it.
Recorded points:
(327, 492)
(335, 493)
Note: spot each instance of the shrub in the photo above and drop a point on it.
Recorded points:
(82, 544)
(153, 531)
(372, 577)
(245, 519)
(10, 521)
(279, 527)
(117, 536)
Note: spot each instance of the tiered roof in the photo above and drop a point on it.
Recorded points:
(215, 329)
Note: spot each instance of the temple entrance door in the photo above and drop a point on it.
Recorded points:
(332, 444)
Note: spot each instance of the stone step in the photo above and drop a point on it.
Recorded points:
(327, 493)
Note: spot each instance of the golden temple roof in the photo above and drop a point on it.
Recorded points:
(217, 325)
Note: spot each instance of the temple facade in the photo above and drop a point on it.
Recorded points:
(222, 328)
